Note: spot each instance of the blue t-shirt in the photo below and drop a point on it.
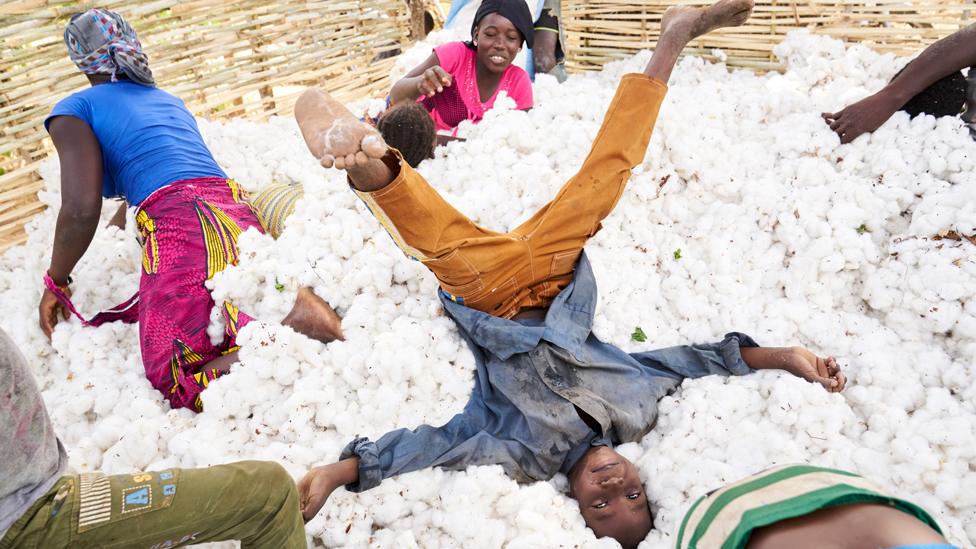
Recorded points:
(148, 138)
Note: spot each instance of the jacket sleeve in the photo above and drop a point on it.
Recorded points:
(720, 358)
(464, 441)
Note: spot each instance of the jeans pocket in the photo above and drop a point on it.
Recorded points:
(563, 263)
(456, 274)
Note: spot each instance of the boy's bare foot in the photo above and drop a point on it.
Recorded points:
(333, 135)
(685, 23)
(315, 318)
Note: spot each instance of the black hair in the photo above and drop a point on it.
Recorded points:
(946, 97)
(409, 129)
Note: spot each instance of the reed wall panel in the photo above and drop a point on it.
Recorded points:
(240, 59)
(599, 31)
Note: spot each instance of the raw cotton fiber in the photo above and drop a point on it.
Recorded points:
(747, 214)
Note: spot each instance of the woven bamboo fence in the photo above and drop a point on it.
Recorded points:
(240, 59)
(599, 31)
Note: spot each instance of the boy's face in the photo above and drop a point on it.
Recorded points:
(610, 495)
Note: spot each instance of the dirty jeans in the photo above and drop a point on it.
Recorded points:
(504, 273)
(251, 501)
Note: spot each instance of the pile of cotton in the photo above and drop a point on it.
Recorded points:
(746, 215)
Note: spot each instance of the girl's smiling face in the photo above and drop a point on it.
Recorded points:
(498, 41)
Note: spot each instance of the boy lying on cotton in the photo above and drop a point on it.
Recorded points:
(549, 396)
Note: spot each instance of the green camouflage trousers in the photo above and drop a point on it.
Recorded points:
(251, 501)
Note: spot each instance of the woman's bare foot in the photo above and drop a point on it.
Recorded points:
(687, 22)
(315, 318)
(333, 135)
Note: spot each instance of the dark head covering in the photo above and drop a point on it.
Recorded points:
(514, 10)
(102, 42)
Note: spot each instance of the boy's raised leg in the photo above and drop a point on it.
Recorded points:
(682, 24)
(576, 211)
(337, 138)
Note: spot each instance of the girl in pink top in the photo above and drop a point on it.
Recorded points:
(461, 80)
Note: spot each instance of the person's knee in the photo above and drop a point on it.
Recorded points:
(268, 483)
(276, 480)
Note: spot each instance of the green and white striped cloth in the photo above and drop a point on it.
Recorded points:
(725, 518)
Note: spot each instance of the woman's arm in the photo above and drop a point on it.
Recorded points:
(428, 79)
(81, 193)
(118, 220)
(81, 204)
(951, 54)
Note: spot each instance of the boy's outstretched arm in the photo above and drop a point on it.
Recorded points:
(738, 354)
(799, 362)
(951, 54)
(469, 438)
(319, 483)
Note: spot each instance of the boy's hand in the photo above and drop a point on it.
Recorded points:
(433, 81)
(825, 371)
(314, 489)
(799, 362)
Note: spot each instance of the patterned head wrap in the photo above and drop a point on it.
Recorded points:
(102, 42)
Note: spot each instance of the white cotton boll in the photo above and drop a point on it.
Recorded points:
(217, 328)
(108, 431)
(80, 404)
(285, 371)
(130, 453)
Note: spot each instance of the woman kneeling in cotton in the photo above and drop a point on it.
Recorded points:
(124, 137)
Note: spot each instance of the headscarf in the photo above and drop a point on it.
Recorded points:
(102, 42)
(514, 10)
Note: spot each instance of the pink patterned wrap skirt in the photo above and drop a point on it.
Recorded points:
(189, 232)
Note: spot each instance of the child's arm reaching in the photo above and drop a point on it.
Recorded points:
(475, 437)
(319, 483)
(738, 354)
(799, 362)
